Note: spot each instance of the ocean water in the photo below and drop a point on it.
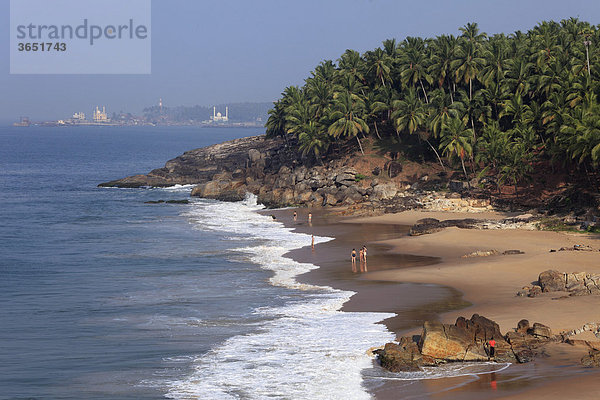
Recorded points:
(103, 296)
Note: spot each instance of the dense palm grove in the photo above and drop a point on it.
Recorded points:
(499, 105)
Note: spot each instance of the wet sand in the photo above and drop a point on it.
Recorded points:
(426, 277)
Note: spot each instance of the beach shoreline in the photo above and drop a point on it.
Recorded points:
(442, 284)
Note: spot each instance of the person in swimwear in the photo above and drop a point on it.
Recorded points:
(295, 216)
(353, 257)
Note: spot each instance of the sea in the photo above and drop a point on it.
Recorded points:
(106, 296)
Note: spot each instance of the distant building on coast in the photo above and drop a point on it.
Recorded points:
(218, 117)
(100, 116)
(23, 122)
(78, 116)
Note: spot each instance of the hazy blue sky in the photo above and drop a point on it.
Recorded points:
(207, 52)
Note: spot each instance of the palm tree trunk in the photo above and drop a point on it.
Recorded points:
(437, 155)
(376, 130)
(424, 92)
(360, 145)
(462, 161)
(451, 96)
(470, 89)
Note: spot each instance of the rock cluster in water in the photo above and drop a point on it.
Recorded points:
(466, 340)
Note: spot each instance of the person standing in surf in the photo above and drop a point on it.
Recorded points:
(295, 216)
(353, 257)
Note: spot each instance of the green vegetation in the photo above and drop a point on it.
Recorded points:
(506, 106)
(556, 224)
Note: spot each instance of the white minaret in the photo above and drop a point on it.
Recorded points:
(214, 112)
(226, 112)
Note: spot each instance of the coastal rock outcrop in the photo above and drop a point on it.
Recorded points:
(574, 283)
(273, 170)
(465, 340)
(254, 155)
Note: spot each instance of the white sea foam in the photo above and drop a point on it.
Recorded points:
(177, 188)
(444, 371)
(306, 349)
(303, 350)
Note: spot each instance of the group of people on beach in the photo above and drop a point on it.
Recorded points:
(362, 256)
(309, 218)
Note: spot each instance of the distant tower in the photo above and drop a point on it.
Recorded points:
(218, 117)
(160, 103)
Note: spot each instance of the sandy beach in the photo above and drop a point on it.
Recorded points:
(427, 277)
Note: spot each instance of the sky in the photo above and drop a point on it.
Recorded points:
(226, 51)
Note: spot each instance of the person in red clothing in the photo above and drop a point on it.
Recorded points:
(492, 344)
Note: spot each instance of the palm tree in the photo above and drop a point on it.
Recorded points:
(440, 111)
(471, 32)
(495, 55)
(517, 164)
(514, 108)
(456, 140)
(472, 109)
(409, 113)
(390, 47)
(348, 118)
(320, 94)
(379, 65)
(517, 77)
(414, 64)
(468, 63)
(492, 147)
(275, 125)
(312, 139)
(374, 108)
(351, 63)
(442, 55)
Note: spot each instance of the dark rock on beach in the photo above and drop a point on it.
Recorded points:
(592, 359)
(575, 283)
(431, 225)
(465, 340)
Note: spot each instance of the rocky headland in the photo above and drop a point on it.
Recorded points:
(271, 169)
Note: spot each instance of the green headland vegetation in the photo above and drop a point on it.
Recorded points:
(505, 106)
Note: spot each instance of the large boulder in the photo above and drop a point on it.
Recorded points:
(384, 191)
(552, 281)
(540, 331)
(523, 326)
(404, 356)
(592, 360)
